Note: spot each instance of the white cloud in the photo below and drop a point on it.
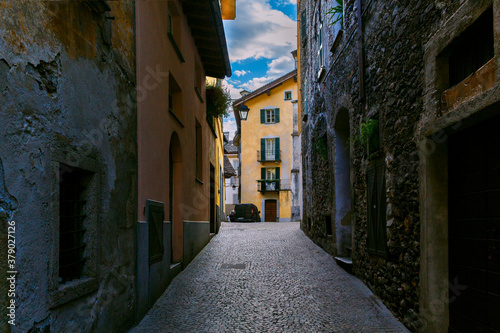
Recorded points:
(229, 85)
(229, 125)
(260, 31)
(240, 73)
(275, 69)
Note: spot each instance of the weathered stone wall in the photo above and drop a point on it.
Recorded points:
(68, 88)
(394, 37)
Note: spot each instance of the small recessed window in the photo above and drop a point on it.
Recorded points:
(174, 97)
(287, 95)
(174, 29)
(472, 49)
(73, 197)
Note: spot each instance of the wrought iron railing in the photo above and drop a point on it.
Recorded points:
(273, 185)
(266, 156)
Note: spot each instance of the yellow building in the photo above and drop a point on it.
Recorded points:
(216, 158)
(267, 141)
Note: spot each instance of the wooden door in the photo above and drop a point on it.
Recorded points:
(474, 228)
(271, 211)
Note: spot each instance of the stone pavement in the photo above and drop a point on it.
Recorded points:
(266, 277)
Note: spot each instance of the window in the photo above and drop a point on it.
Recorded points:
(320, 45)
(236, 165)
(174, 29)
(174, 98)
(269, 116)
(198, 80)
(271, 173)
(376, 202)
(235, 198)
(270, 149)
(73, 196)
(199, 151)
(472, 49)
(270, 177)
(170, 24)
(287, 95)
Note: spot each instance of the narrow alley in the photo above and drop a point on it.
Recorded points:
(266, 277)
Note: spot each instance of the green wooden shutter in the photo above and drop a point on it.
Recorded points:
(276, 115)
(262, 149)
(278, 184)
(277, 149)
(262, 173)
(262, 116)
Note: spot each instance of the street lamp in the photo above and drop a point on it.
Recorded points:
(244, 111)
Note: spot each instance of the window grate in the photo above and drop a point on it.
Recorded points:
(72, 202)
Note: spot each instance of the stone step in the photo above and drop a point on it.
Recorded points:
(345, 263)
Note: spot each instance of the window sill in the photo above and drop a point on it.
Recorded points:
(176, 118)
(198, 93)
(336, 41)
(321, 73)
(73, 290)
(198, 181)
(176, 47)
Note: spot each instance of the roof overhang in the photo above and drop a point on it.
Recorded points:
(205, 21)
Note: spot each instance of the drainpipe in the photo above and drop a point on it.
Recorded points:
(361, 64)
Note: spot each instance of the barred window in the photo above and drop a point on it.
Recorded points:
(72, 200)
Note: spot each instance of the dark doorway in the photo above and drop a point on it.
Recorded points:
(271, 210)
(343, 225)
(474, 228)
(212, 199)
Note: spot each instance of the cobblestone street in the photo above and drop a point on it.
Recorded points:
(266, 277)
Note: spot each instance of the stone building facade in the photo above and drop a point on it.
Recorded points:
(68, 140)
(102, 107)
(394, 106)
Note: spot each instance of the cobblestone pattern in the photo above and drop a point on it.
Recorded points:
(288, 284)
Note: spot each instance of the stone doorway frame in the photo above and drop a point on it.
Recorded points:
(431, 137)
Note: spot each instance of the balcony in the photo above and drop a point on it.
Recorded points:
(265, 156)
(273, 185)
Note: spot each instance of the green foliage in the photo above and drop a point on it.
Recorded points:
(321, 147)
(369, 136)
(337, 14)
(218, 101)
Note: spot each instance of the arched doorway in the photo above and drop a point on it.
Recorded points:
(175, 183)
(343, 224)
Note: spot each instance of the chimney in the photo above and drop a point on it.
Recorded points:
(243, 93)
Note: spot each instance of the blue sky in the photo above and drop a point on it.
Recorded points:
(259, 40)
